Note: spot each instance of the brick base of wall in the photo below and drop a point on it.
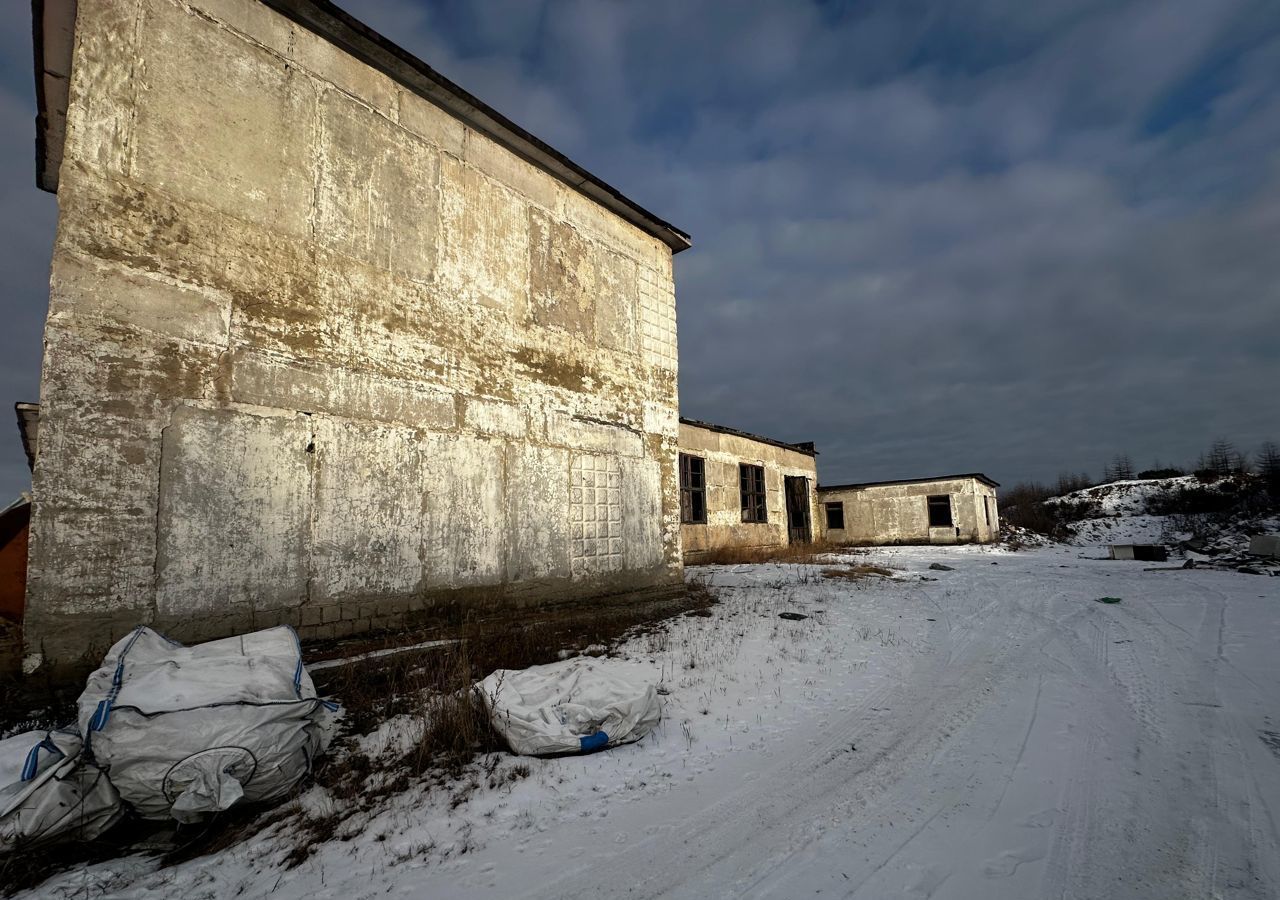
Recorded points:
(75, 645)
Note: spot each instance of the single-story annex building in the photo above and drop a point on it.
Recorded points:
(330, 342)
(741, 490)
(950, 509)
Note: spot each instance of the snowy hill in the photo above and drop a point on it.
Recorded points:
(1125, 498)
(1208, 521)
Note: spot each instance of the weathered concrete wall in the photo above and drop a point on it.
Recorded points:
(319, 353)
(724, 527)
(899, 513)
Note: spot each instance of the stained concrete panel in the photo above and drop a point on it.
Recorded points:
(484, 242)
(377, 194)
(224, 122)
(581, 433)
(367, 541)
(234, 512)
(465, 510)
(510, 170)
(431, 123)
(100, 109)
(563, 283)
(538, 506)
(495, 417)
(267, 380)
(617, 302)
(642, 543)
(143, 300)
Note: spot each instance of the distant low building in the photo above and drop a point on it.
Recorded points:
(950, 509)
(740, 490)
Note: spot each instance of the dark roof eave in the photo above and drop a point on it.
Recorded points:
(866, 484)
(28, 424)
(723, 429)
(354, 37)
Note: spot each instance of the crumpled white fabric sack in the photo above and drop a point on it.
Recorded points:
(187, 731)
(574, 706)
(50, 792)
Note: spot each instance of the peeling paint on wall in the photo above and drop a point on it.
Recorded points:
(317, 351)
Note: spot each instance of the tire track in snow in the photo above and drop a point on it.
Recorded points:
(938, 703)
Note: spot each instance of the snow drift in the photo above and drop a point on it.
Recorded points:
(185, 731)
(574, 706)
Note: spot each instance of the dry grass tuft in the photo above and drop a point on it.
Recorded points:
(798, 554)
(858, 572)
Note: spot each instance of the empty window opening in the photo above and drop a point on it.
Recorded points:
(986, 508)
(835, 516)
(751, 484)
(940, 511)
(693, 490)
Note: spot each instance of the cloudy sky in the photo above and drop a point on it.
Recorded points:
(930, 236)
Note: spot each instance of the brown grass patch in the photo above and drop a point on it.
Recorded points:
(797, 554)
(858, 572)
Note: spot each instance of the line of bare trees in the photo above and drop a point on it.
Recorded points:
(1221, 460)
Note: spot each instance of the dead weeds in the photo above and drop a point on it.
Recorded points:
(858, 572)
(795, 554)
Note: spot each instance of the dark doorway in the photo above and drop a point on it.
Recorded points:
(797, 491)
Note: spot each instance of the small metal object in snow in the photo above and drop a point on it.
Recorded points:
(1108, 599)
(1141, 552)
(792, 616)
(939, 567)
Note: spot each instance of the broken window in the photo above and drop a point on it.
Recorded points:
(693, 490)
(835, 516)
(940, 511)
(751, 483)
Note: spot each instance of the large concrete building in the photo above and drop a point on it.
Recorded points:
(740, 490)
(951, 509)
(329, 342)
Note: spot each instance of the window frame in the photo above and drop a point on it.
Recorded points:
(934, 502)
(830, 506)
(691, 495)
(752, 494)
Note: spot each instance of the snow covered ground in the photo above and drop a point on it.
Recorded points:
(993, 733)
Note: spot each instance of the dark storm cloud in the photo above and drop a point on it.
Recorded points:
(997, 235)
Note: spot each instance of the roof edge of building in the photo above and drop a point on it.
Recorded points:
(354, 37)
(866, 484)
(28, 415)
(806, 448)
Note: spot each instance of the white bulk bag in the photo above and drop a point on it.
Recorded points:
(185, 731)
(574, 706)
(49, 791)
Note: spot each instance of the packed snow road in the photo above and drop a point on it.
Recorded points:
(1038, 744)
(994, 733)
